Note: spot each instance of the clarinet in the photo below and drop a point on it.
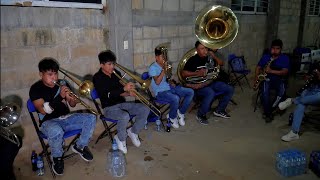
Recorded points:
(308, 83)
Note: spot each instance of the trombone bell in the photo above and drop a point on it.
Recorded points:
(85, 88)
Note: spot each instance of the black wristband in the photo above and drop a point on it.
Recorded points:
(54, 103)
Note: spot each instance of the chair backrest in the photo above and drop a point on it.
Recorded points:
(32, 109)
(95, 97)
(237, 63)
(145, 76)
(315, 55)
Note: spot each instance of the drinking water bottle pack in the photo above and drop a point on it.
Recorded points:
(291, 162)
(314, 164)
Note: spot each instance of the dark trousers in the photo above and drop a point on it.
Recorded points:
(8, 152)
(276, 84)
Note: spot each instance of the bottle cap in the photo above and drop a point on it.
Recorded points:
(114, 145)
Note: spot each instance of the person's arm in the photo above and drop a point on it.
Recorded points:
(215, 57)
(284, 67)
(46, 107)
(103, 87)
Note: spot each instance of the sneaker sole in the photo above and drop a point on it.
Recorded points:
(116, 138)
(292, 139)
(75, 151)
(219, 115)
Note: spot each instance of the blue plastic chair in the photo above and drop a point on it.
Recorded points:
(108, 128)
(45, 147)
(160, 104)
(238, 67)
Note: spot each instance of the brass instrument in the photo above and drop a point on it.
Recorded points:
(215, 27)
(262, 76)
(167, 66)
(312, 78)
(140, 97)
(9, 114)
(85, 89)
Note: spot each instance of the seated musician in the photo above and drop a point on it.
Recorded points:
(276, 66)
(310, 96)
(169, 92)
(51, 101)
(196, 66)
(112, 96)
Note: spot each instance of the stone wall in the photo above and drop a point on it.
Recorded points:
(289, 23)
(73, 36)
(311, 32)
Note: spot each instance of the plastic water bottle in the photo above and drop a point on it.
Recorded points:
(158, 123)
(34, 161)
(146, 125)
(40, 167)
(116, 161)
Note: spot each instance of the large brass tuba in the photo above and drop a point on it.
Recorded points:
(215, 27)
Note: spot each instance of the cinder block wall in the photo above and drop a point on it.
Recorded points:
(159, 21)
(73, 36)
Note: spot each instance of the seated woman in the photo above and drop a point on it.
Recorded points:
(310, 96)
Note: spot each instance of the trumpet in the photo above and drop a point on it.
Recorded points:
(141, 98)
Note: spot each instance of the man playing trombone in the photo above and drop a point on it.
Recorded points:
(51, 100)
(112, 93)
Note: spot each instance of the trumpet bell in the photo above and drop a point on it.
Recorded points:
(85, 88)
(216, 26)
(9, 114)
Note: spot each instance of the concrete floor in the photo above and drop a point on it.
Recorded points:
(242, 147)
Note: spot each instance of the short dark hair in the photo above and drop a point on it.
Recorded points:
(48, 64)
(106, 56)
(157, 51)
(197, 44)
(277, 42)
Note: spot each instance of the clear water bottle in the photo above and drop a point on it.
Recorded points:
(40, 170)
(158, 123)
(34, 161)
(146, 125)
(116, 161)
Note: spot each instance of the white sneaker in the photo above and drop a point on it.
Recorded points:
(134, 138)
(181, 118)
(285, 104)
(174, 122)
(122, 146)
(290, 136)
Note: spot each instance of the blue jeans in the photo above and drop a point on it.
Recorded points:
(55, 128)
(276, 84)
(122, 112)
(308, 97)
(208, 94)
(173, 96)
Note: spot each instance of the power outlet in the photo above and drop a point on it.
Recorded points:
(125, 45)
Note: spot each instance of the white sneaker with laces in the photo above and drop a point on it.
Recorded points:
(122, 146)
(290, 136)
(181, 118)
(285, 104)
(134, 138)
(174, 122)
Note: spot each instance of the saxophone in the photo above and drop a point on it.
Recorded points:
(262, 76)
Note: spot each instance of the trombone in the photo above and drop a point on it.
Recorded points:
(140, 97)
(85, 89)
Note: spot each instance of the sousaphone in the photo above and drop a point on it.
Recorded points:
(215, 27)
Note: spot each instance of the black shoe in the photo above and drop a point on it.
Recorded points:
(203, 119)
(222, 114)
(269, 118)
(84, 153)
(58, 165)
